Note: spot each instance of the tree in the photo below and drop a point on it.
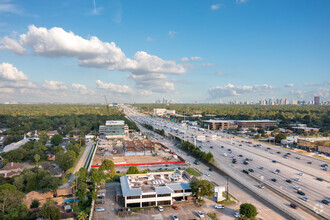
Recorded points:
(65, 160)
(133, 170)
(109, 166)
(81, 191)
(280, 137)
(201, 188)
(36, 158)
(19, 212)
(49, 211)
(82, 174)
(19, 182)
(35, 204)
(82, 215)
(96, 176)
(43, 137)
(209, 157)
(10, 197)
(248, 210)
(56, 139)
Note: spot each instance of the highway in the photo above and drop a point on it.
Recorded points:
(260, 157)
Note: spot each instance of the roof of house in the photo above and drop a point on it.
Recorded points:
(53, 168)
(13, 166)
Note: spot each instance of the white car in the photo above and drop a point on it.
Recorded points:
(297, 188)
(300, 174)
(236, 215)
(207, 174)
(219, 207)
(297, 179)
(305, 199)
(160, 208)
(224, 154)
(99, 209)
(175, 217)
(200, 214)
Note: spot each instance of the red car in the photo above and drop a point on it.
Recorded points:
(175, 207)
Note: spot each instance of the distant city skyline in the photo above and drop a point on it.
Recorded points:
(138, 51)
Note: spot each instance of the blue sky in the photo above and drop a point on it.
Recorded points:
(182, 50)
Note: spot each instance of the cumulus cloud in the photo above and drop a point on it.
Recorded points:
(185, 59)
(215, 7)
(11, 44)
(92, 52)
(232, 90)
(196, 58)
(82, 89)
(312, 84)
(155, 82)
(113, 88)
(289, 85)
(54, 85)
(10, 73)
(7, 7)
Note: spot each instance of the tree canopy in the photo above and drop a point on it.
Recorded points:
(133, 170)
(248, 210)
(201, 188)
(56, 139)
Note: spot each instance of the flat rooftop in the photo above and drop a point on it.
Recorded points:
(153, 183)
(114, 123)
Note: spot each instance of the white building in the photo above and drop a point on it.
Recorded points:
(113, 129)
(154, 189)
(163, 111)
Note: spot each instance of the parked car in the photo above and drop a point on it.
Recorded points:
(174, 217)
(100, 209)
(160, 208)
(236, 215)
(99, 202)
(219, 207)
(200, 214)
(175, 207)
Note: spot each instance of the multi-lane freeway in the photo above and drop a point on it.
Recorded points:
(296, 171)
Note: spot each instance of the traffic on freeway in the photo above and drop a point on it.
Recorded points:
(300, 177)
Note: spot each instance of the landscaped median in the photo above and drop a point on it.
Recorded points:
(194, 172)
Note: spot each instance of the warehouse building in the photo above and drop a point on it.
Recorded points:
(256, 123)
(154, 189)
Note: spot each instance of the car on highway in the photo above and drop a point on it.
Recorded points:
(324, 201)
(319, 178)
(274, 180)
(99, 202)
(200, 214)
(301, 192)
(261, 168)
(309, 162)
(174, 217)
(324, 165)
(300, 174)
(224, 154)
(325, 169)
(219, 207)
(305, 199)
(274, 161)
(293, 205)
(288, 181)
(207, 174)
(99, 209)
(275, 172)
(296, 187)
(210, 169)
(251, 170)
(229, 149)
(211, 146)
(245, 163)
(298, 157)
(296, 179)
(160, 208)
(196, 162)
(240, 155)
(278, 152)
(261, 186)
(222, 146)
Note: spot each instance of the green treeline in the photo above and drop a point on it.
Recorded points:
(312, 115)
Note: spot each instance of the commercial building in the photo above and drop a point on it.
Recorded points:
(324, 149)
(154, 189)
(113, 129)
(316, 100)
(218, 124)
(163, 111)
(256, 123)
(313, 143)
(138, 147)
(306, 130)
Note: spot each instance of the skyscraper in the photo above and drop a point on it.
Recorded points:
(316, 100)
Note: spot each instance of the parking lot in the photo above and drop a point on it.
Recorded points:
(184, 212)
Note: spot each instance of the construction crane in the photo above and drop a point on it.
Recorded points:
(106, 102)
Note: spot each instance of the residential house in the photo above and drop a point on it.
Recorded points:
(54, 169)
(13, 169)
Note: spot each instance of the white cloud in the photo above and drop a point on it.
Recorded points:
(171, 34)
(54, 85)
(10, 73)
(149, 39)
(11, 44)
(207, 64)
(117, 89)
(7, 7)
(290, 85)
(184, 59)
(215, 7)
(323, 92)
(312, 84)
(219, 73)
(155, 82)
(300, 94)
(92, 52)
(232, 90)
(240, 1)
(81, 89)
(7, 90)
(196, 58)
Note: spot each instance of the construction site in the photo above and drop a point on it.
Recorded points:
(134, 152)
